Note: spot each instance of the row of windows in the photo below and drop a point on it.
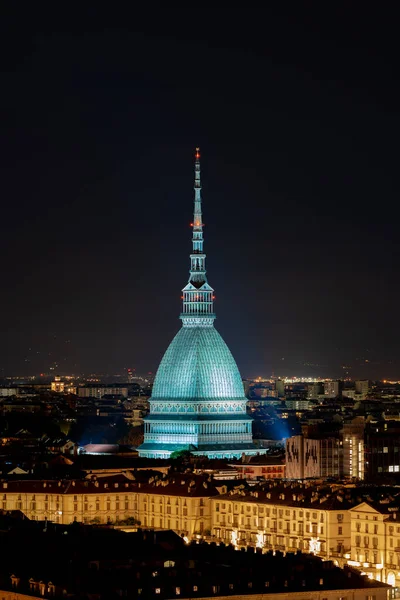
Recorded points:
(393, 543)
(274, 511)
(274, 525)
(87, 499)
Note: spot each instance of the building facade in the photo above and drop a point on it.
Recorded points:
(180, 503)
(375, 540)
(310, 458)
(198, 401)
(98, 390)
(285, 518)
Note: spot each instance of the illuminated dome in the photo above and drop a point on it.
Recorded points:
(198, 365)
(197, 402)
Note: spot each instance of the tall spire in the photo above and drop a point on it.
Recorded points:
(198, 295)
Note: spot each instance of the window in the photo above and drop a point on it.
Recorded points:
(340, 531)
(178, 591)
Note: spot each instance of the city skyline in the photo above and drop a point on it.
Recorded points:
(301, 177)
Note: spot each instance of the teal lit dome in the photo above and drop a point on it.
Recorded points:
(198, 364)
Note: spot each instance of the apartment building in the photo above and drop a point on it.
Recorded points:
(180, 503)
(285, 517)
(375, 540)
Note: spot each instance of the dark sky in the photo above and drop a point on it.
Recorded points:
(296, 110)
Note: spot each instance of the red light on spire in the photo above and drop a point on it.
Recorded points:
(197, 155)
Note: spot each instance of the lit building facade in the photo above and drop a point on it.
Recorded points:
(198, 401)
(308, 458)
(375, 540)
(284, 518)
(180, 503)
(353, 448)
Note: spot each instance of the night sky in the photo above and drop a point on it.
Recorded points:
(296, 111)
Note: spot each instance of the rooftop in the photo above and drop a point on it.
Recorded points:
(142, 481)
(160, 565)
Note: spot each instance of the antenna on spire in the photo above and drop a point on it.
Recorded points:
(198, 295)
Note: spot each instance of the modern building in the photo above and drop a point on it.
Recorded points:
(198, 401)
(315, 390)
(353, 448)
(98, 390)
(310, 458)
(299, 404)
(362, 387)
(7, 391)
(333, 389)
